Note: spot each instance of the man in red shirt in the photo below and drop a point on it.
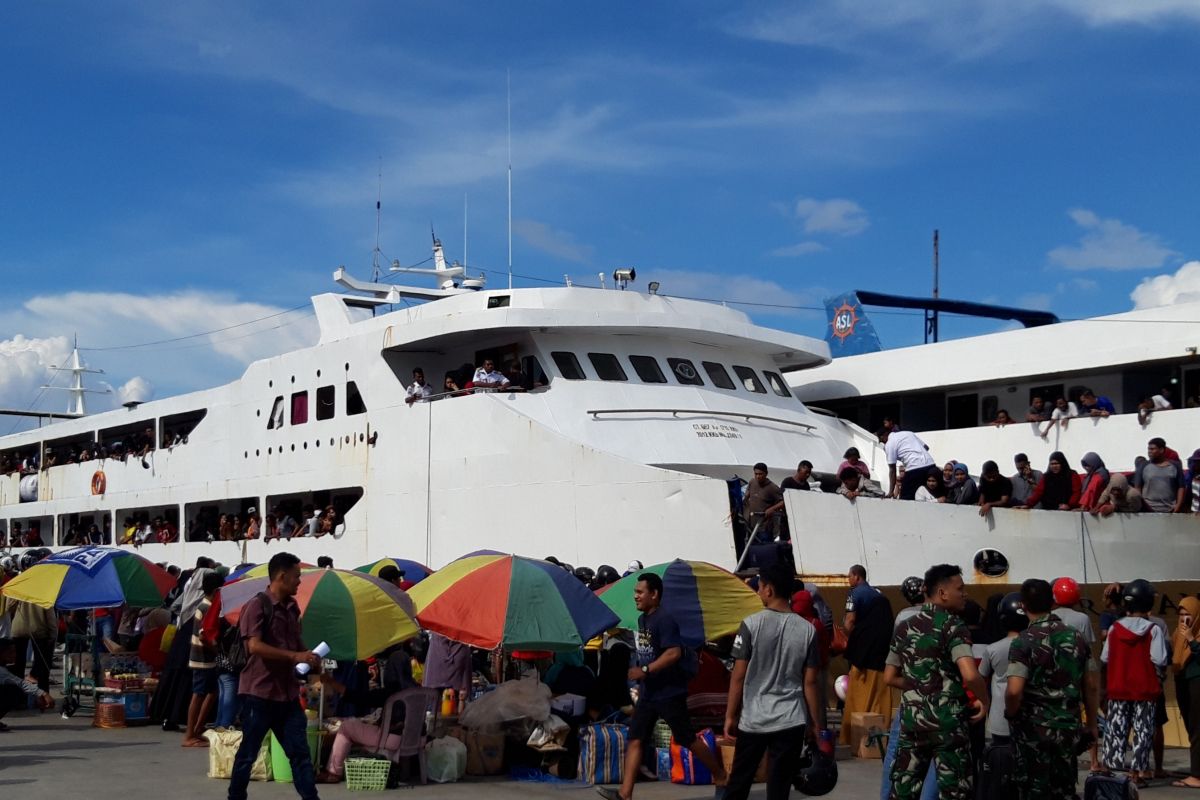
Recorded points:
(269, 687)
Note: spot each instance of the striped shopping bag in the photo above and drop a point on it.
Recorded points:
(602, 752)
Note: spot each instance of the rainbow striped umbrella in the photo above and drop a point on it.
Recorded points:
(91, 577)
(413, 571)
(707, 601)
(256, 571)
(356, 614)
(508, 601)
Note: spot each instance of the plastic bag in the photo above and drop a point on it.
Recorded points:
(524, 699)
(549, 735)
(446, 760)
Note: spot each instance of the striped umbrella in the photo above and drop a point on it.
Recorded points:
(708, 602)
(413, 571)
(356, 614)
(519, 603)
(91, 577)
(256, 571)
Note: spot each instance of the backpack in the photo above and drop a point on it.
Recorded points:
(996, 768)
(233, 646)
(1109, 787)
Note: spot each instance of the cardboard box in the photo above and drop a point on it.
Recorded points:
(485, 753)
(569, 705)
(863, 724)
(726, 747)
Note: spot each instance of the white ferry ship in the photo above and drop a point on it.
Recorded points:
(950, 392)
(640, 409)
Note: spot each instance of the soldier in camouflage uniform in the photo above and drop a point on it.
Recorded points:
(930, 659)
(1048, 665)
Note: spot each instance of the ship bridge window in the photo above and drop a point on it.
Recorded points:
(177, 427)
(568, 365)
(133, 438)
(685, 371)
(777, 384)
(647, 369)
(718, 375)
(749, 379)
(299, 408)
(69, 449)
(326, 402)
(354, 400)
(607, 367)
(275, 420)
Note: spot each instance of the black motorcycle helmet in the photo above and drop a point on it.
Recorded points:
(913, 590)
(1138, 595)
(818, 773)
(1012, 613)
(607, 574)
(585, 575)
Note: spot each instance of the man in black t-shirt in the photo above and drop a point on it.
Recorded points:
(660, 670)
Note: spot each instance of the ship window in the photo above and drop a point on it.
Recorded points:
(326, 399)
(749, 379)
(299, 408)
(990, 408)
(534, 372)
(718, 375)
(276, 418)
(962, 411)
(354, 400)
(777, 384)
(685, 371)
(498, 301)
(647, 369)
(568, 365)
(177, 427)
(607, 367)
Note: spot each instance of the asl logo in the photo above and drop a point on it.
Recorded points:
(845, 317)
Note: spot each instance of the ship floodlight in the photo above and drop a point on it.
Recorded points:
(623, 276)
(653, 286)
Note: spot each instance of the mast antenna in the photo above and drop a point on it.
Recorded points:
(931, 315)
(376, 269)
(77, 390)
(464, 230)
(508, 73)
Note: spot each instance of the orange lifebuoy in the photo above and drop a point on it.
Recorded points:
(99, 483)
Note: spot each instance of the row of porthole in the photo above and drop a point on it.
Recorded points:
(271, 383)
(362, 437)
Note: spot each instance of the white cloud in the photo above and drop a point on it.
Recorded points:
(798, 249)
(560, 244)
(115, 320)
(135, 390)
(1116, 12)
(1036, 300)
(1183, 286)
(837, 216)
(1109, 244)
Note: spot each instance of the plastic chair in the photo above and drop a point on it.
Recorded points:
(417, 703)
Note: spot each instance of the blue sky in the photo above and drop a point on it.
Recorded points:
(177, 168)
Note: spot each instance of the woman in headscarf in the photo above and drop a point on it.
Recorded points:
(964, 492)
(1094, 481)
(1119, 497)
(1059, 488)
(170, 702)
(948, 476)
(1185, 662)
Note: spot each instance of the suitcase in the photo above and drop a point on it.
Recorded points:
(996, 767)
(1109, 787)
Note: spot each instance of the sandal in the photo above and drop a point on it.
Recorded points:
(1183, 784)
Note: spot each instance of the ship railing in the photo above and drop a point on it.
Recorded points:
(675, 412)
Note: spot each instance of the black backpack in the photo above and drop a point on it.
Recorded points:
(1109, 787)
(995, 779)
(234, 646)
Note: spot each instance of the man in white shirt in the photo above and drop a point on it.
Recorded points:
(419, 390)
(1064, 411)
(906, 448)
(487, 377)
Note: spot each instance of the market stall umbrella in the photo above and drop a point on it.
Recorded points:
(707, 601)
(413, 571)
(256, 571)
(519, 603)
(91, 577)
(356, 614)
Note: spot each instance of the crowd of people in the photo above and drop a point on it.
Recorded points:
(137, 446)
(467, 379)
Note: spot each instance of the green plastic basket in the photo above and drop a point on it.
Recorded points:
(662, 734)
(367, 774)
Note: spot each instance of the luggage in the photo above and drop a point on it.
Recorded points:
(223, 747)
(685, 768)
(602, 752)
(996, 767)
(1109, 787)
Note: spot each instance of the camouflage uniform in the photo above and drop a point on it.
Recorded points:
(1053, 659)
(933, 713)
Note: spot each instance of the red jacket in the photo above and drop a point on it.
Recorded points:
(1076, 488)
(1131, 673)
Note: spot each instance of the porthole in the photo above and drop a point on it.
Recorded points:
(318, 373)
(270, 383)
(246, 454)
(293, 379)
(258, 412)
(347, 440)
(270, 451)
(306, 445)
(991, 563)
(362, 437)
(331, 442)
(347, 366)
(293, 448)
(257, 452)
(318, 442)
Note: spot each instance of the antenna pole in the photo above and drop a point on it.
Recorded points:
(464, 231)
(375, 271)
(931, 317)
(508, 73)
